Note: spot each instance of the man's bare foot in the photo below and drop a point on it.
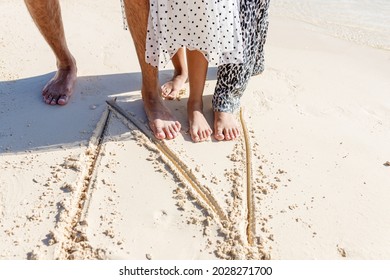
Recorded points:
(161, 121)
(199, 128)
(225, 126)
(59, 89)
(171, 90)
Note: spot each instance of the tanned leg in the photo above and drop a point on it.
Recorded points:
(197, 70)
(163, 124)
(47, 16)
(171, 89)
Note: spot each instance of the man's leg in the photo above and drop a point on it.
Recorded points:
(161, 120)
(47, 16)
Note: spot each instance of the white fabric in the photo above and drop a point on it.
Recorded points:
(211, 26)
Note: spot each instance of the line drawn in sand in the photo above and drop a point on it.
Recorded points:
(237, 226)
(248, 247)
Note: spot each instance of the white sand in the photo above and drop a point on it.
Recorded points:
(318, 121)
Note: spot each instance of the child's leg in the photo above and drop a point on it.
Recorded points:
(197, 70)
(170, 90)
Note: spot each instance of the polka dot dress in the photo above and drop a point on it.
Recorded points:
(211, 26)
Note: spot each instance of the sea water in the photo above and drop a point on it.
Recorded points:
(362, 21)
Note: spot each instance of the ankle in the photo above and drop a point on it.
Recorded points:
(67, 64)
(181, 72)
(195, 104)
(151, 97)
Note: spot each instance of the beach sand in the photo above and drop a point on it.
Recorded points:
(83, 182)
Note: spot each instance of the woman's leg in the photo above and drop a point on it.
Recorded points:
(233, 78)
(170, 90)
(231, 83)
(197, 70)
(262, 30)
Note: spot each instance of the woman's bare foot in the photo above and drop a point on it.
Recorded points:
(225, 126)
(199, 128)
(60, 88)
(161, 121)
(171, 89)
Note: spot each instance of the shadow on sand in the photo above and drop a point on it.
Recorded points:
(27, 123)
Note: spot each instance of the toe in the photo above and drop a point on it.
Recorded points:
(177, 126)
(173, 95)
(227, 135)
(164, 92)
(173, 131)
(158, 132)
(231, 134)
(209, 133)
(47, 99)
(201, 135)
(160, 135)
(194, 135)
(168, 133)
(63, 100)
(45, 90)
(219, 134)
(206, 134)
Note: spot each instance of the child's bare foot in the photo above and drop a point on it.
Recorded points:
(225, 126)
(59, 89)
(199, 128)
(170, 90)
